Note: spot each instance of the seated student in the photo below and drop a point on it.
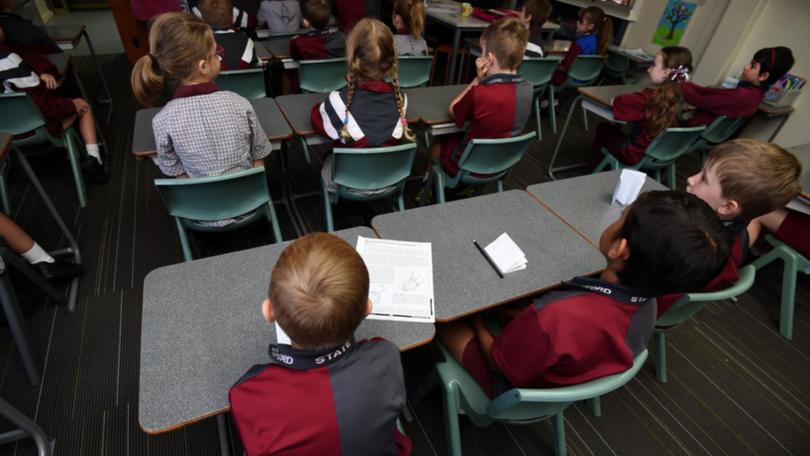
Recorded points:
(767, 67)
(21, 243)
(34, 74)
(497, 103)
(651, 111)
(349, 12)
(280, 16)
(320, 42)
(741, 180)
(369, 111)
(201, 131)
(533, 15)
(239, 51)
(240, 19)
(409, 23)
(594, 32)
(792, 227)
(325, 393)
(21, 34)
(664, 241)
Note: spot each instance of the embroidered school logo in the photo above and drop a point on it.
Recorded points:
(340, 351)
(285, 15)
(286, 359)
(602, 290)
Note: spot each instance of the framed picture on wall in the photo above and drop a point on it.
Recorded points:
(673, 22)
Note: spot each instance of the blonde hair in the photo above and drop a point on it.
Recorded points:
(319, 291)
(217, 13)
(370, 56)
(177, 41)
(412, 13)
(506, 38)
(759, 176)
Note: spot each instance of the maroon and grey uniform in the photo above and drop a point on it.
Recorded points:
(590, 330)
(340, 401)
(318, 44)
(713, 102)
(239, 50)
(498, 107)
(349, 12)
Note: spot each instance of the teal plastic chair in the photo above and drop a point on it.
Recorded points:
(373, 168)
(249, 83)
(584, 72)
(616, 67)
(538, 72)
(795, 263)
(23, 119)
(215, 198)
(518, 405)
(414, 71)
(719, 131)
(322, 76)
(688, 305)
(491, 159)
(662, 153)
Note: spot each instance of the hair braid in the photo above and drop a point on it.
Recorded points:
(407, 133)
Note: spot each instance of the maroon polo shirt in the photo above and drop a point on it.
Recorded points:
(713, 102)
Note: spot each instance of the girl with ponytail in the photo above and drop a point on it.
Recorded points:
(409, 23)
(651, 111)
(594, 32)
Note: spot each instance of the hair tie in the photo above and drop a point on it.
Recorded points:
(680, 74)
(154, 61)
(773, 57)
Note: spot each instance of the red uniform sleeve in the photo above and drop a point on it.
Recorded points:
(523, 350)
(316, 119)
(561, 73)
(709, 98)
(39, 64)
(464, 109)
(295, 48)
(630, 107)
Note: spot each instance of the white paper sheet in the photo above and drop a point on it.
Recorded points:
(281, 336)
(506, 254)
(401, 279)
(628, 187)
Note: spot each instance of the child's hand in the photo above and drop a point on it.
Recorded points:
(482, 65)
(48, 80)
(81, 106)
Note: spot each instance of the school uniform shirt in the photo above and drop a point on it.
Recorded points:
(280, 16)
(729, 275)
(587, 44)
(20, 73)
(534, 48)
(407, 44)
(587, 331)
(795, 232)
(340, 401)
(318, 44)
(628, 108)
(498, 107)
(713, 102)
(240, 52)
(241, 19)
(373, 120)
(349, 12)
(22, 35)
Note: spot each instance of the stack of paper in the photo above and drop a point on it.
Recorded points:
(506, 255)
(628, 187)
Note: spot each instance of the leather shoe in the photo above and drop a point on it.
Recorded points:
(58, 270)
(94, 170)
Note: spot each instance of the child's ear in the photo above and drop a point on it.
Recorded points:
(619, 250)
(764, 76)
(369, 306)
(729, 210)
(267, 311)
(202, 66)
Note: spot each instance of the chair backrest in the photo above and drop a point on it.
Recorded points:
(249, 83)
(690, 303)
(215, 197)
(19, 113)
(722, 129)
(492, 157)
(413, 71)
(670, 145)
(617, 63)
(538, 71)
(322, 76)
(585, 69)
(374, 167)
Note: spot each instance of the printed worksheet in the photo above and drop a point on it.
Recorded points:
(401, 279)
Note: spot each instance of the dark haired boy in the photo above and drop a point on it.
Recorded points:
(325, 393)
(239, 49)
(766, 67)
(665, 241)
(320, 42)
(533, 15)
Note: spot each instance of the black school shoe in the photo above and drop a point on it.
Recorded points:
(60, 269)
(94, 170)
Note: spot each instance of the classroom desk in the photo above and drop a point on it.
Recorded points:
(464, 282)
(268, 112)
(202, 328)
(631, 56)
(780, 112)
(583, 202)
(429, 105)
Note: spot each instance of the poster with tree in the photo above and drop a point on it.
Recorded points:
(673, 22)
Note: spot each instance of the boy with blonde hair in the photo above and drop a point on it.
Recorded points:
(325, 393)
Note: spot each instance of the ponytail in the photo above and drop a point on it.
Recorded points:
(605, 35)
(147, 81)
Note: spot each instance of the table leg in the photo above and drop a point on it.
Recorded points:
(551, 168)
(456, 39)
(224, 438)
(778, 128)
(286, 191)
(73, 245)
(108, 100)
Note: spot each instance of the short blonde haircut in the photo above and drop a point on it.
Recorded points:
(217, 13)
(319, 291)
(506, 38)
(759, 176)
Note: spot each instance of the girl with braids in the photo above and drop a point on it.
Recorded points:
(594, 32)
(651, 111)
(409, 22)
(766, 67)
(369, 111)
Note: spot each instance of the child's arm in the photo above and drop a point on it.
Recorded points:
(630, 107)
(461, 106)
(573, 52)
(167, 159)
(259, 144)
(709, 98)
(485, 341)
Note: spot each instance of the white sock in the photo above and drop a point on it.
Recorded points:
(92, 150)
(37, 254)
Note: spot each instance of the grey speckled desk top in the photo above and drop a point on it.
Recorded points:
(584, 202)
(463, 281)
(297, 108)
(273, 123)
(279, 47)
(202, 328)
(430, 104)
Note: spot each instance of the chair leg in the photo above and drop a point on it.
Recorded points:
(585, 118)
(661, 356)
(400, 202)
(451, 405)
(4, 199)
(559, 435)
(671, 176)
(552, 110)
(305, 148)
(19, 331)
(273, 219)
(327, 210)
(184, 243)
(537, 116)
(499, 184)
(73, 156)
(595, 404)
(788, 298)
(28, 426)
(26, 270)
(439, 185)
